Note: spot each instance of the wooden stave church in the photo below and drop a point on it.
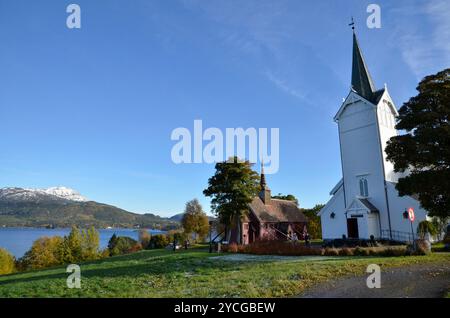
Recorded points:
(269, 219)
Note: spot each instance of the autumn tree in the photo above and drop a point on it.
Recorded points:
(144, 238)
(90, 244)
(45, 252)
(71, 248)
(423, 151)
(314, 223)
(6, 262)
(232, 188)
(195, 220)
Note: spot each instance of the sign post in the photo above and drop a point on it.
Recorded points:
(411, 218)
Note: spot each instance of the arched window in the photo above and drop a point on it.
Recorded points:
(363, 187)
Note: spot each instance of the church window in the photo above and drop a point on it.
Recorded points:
(363, 187)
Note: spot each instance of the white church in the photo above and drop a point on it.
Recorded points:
(364, 202)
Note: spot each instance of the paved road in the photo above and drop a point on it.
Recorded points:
(417, 281)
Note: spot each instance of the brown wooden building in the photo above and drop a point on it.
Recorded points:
(269, 219)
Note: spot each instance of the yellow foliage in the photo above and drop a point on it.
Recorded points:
(6, 262)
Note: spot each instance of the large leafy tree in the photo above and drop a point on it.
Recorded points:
(232, 188)
(195, 220)
(424, 150)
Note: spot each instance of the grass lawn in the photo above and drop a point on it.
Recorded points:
(438, 247)
(196, 273)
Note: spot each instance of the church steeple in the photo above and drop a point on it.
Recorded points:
(263, 177)
(265, 193)
(362, 82)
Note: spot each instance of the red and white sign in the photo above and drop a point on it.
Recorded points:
(411, 215)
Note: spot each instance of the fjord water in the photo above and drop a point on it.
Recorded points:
(19, 240)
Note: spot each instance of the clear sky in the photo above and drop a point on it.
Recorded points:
(93, 109)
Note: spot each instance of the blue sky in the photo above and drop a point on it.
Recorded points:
(93, 109)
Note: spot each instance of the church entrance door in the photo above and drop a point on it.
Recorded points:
(352, 228)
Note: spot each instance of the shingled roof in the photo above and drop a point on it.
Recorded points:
(277, 211)
(362, 82)
(369, 205)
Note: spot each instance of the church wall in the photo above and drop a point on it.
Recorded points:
(361, 154)
(364, 131)
(398, 205)
(386, 120)
(373, 225)
(368, 225)
(336, 227)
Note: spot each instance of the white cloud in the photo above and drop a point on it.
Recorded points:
(439, 12)
(423, 36)
(270, 35)
(284, 86)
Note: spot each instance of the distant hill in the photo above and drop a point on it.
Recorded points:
(177, 217)
(64, 207)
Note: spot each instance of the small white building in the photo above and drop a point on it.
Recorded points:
(365, 202)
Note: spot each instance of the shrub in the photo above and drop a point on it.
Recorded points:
(426, 227)
(382, 251)
(446, 241)
(361, 251)
(243, 249)
(144, 238)
(422, 247)
(176, 235)
(271, 247)
(232, 248)
(135, 248)
(104, 253)
(6, 262)
(123, 245)
(331, 251)
(159, 241)
(346, 252)
(372, 251)
(392, 252)
(280, 248)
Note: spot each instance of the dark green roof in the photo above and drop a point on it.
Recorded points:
(362, 83)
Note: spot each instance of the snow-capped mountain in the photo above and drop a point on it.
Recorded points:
(64, 207)
(49, 194)
(65, 193)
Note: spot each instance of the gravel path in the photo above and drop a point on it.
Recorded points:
(416, 281)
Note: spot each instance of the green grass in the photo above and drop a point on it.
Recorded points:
(438, 247)
(196, 273)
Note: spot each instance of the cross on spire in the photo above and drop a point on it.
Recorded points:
(352, 24)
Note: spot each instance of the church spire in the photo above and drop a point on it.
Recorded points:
(265, 193)
(263, 177)
(362, 83)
